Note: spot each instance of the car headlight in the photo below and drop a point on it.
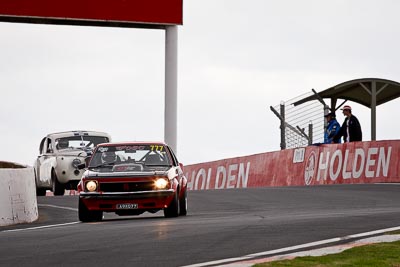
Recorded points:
(76, 162)
(161, 183)
(91, 186)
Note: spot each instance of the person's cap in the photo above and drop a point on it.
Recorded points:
(332, 114)
(346, 108)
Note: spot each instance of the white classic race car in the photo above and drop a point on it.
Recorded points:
(56, 167)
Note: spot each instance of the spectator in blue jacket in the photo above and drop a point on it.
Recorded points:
(332, 129)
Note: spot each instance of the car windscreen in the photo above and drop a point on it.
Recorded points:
(80, 141)
(130, 157)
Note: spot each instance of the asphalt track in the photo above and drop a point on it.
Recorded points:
(221, 224)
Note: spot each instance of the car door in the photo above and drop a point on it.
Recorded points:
(38, 162)
(44, 162)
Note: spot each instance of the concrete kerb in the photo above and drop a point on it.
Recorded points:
(18, 203)
(334, 249)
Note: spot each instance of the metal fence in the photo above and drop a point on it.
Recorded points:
(301, 125)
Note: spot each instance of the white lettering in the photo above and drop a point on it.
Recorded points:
(334, 175)
(220, 170)
(231, 177)
(202, 174)
(190, 180)
(358, 154)
(323, 166)
(242, 176)
(370, 162)
(365, 163)
(383, 162)
(346, 174)
(208, 178)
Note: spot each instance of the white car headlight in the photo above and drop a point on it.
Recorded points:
(76, 162)
(161, 183)
(91, 186)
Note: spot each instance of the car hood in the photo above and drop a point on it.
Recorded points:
(75, 152)
(170, 172)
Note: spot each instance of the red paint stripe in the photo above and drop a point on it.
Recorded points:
(139, 11)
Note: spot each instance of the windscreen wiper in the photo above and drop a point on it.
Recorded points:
(102, 165)
(157, 165)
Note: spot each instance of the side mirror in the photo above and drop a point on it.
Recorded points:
(81, 166)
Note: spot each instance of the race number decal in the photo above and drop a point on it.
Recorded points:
(156, 148)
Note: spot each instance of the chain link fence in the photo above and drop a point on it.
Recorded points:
(301, 125)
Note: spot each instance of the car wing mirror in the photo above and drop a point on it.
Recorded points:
(81, 166)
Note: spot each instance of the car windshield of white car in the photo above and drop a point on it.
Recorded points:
(143, 157)
(80, 142)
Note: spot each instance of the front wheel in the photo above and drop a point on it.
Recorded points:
(183, 204)
(173, 209)
(86, 215)
(40, 191)
(57, 187)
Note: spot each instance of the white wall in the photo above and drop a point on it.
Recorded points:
(18, 202)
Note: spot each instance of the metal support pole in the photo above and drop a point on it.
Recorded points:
(327, 110)
(310, 133)
(373, 111)
(171, 86)
(283, 127)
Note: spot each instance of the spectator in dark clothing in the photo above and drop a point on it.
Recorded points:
(351, 128)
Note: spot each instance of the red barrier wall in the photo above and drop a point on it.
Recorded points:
(350, 163)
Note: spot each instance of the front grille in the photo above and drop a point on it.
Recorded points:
(126, 187)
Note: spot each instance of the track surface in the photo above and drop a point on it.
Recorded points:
(220, 224)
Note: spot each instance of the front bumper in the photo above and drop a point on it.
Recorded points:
(127, 195)
(144, 200)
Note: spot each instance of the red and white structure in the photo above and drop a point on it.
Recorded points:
(156, 14)
(348, 163)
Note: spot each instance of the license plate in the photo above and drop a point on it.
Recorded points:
(127, 206)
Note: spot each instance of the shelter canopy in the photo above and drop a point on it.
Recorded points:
(369, 92)
(360, 91)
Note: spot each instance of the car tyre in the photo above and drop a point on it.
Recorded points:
(40, 191)
(183, 204)
(86, 215)
(173, 209)
(57, 187)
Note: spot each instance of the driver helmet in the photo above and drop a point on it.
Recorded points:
(108, 157)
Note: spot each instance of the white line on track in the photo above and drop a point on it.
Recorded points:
(58, 207)
(288, 249)
(40, 227)
(46, 226)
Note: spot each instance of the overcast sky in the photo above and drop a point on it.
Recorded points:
(236, 59)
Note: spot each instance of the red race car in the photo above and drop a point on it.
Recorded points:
(131, 178)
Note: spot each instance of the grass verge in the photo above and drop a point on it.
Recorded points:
(374, 255)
